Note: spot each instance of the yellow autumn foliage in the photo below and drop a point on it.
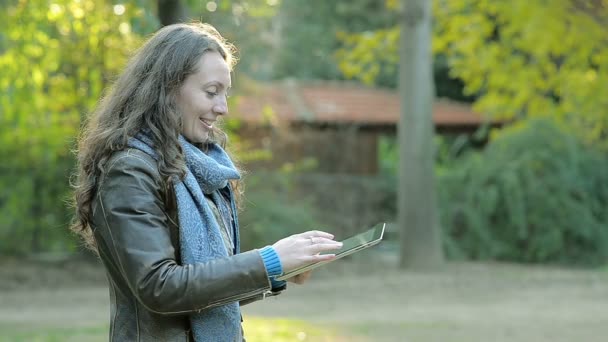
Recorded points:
(521, 58)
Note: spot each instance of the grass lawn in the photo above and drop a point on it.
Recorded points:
(51, 334)
(256, 330)
(352, 300)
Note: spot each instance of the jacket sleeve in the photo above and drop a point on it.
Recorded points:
(132, 233)
(274, 291)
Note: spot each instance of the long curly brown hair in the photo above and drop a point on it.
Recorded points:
(143, 98)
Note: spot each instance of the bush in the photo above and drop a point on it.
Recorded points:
(270, 213)
(535, 194)
(33, 211)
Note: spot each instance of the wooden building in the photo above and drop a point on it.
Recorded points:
(337, 124)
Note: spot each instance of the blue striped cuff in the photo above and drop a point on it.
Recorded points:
(271, 261)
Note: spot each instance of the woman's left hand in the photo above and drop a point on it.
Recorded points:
(300, 278)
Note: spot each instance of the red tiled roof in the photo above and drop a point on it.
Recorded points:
(331, 102)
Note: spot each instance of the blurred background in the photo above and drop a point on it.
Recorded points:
(496, 200)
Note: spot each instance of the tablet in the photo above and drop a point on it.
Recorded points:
(351, 245)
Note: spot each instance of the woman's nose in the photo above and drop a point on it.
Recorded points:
(221, 107)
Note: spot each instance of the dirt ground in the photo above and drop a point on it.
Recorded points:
(365, 296)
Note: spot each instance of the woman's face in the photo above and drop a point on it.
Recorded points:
(202, 97)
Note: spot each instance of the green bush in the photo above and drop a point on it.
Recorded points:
(272, 211)
(33, 211)
(534, 194)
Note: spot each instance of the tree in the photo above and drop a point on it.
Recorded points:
(55, 61)
(171, 11)
(519, 58)
(531, 59)
(420, 234)
(310, 34)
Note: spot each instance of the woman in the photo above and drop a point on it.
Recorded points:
(155, 198)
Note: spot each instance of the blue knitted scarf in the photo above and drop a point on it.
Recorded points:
(199, 235)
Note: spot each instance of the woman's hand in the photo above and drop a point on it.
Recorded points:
(301, 249)
(300, 278)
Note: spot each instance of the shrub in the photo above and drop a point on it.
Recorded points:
(535, 194)
(270, 213)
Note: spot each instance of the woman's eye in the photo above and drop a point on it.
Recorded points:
(212, 93)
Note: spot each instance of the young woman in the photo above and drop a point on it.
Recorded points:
(155, 198)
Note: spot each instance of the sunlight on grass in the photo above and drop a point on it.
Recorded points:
(285, 330)
(256, 330)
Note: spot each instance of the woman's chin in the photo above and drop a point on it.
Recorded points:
(198, 138)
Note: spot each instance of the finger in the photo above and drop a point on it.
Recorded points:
(323, 257)
(317, 249)
(318, 257)
(300, 278)
(295, 280)
(318, 233)
(322, 240)
(303, 277)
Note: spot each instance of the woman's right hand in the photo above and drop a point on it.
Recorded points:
(301, 249)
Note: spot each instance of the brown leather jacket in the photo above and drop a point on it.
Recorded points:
(151, 293)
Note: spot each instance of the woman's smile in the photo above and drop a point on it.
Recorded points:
(207, 123)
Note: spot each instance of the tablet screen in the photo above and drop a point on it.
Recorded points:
(360, 240)
(350, 245)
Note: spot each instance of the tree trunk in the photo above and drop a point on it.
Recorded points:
(420, 237)
(171, 12)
